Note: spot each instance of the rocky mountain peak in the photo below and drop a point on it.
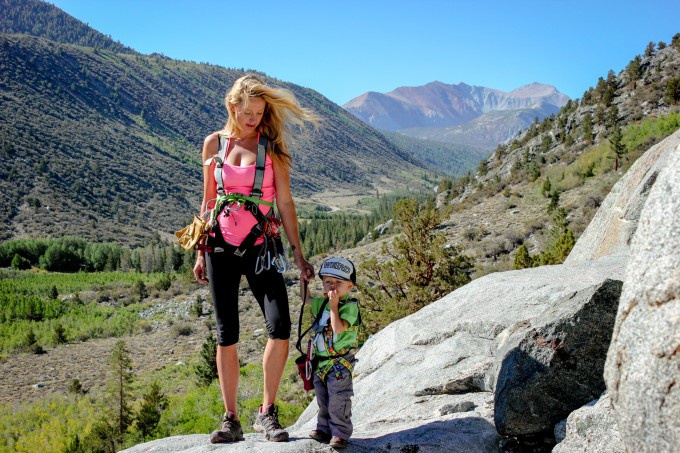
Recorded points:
(534, 89)
(438, 104)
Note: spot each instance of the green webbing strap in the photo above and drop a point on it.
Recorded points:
(223, 200)
(234, 197)
(334, 360)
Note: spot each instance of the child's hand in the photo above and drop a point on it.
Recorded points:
(337, 324)
(333, 297)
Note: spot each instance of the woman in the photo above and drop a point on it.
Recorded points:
(254, 109)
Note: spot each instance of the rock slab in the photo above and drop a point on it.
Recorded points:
(553, 364)
(592, 429)
(643, 363)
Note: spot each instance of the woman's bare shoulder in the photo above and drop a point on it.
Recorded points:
(210, 145)
(211, 138)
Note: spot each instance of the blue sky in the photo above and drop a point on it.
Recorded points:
(345, 48)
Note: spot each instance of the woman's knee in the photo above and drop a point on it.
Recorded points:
(227, 338)
(279, 330)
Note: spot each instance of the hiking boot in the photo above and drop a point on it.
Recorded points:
(320, 435)
(267, 423)
(229, 432)
(338, 442)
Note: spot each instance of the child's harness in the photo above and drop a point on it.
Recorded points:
(336, 356)
(267, 224)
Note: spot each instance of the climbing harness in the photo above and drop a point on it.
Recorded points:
(272, 252)
(336, 357)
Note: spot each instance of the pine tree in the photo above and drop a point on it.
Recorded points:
(206, 370)
(31, 339)
(554, 201)
(673, 91)
(617, 146)
(154, 402)
(547, 187)
(588, 128)
(612, 117)
(522, 258)
(546, 143)
(421, 267)
(563, 246)
(649, 50)
(561, 240)
(119, 389)
(196, 309)
(634, 70)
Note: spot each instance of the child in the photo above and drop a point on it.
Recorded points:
(334, 338)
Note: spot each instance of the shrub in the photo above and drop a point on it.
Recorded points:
(144, 326)
(163, 283)
(21, 263)
(76, 299)
(140, 290)
(182, 329)
(76, 387)
(59, 335)
(196, 309)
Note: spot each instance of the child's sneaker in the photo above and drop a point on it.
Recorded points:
(229, 432)
(338, 442)
(267, 423)
(319, 435)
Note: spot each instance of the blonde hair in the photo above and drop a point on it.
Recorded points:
(281, 110)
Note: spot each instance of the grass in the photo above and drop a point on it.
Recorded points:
(39, 282)
(88, 305)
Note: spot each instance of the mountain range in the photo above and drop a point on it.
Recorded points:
(102, 142)
(461, 114)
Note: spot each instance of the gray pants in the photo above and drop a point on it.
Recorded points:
(335, 404)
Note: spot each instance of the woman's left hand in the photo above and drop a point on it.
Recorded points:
(306, 269)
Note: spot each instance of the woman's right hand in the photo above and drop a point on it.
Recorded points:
(200, 270)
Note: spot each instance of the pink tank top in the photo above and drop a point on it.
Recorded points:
(236, 226)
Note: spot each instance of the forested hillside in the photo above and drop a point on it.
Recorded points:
(106, 145)
(535, 195)
(39, 18)
(448, 158)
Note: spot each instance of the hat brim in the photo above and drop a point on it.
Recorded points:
(339, 277)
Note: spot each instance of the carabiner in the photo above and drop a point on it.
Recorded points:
(262, 262)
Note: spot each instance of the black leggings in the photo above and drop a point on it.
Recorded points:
(224, 274)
